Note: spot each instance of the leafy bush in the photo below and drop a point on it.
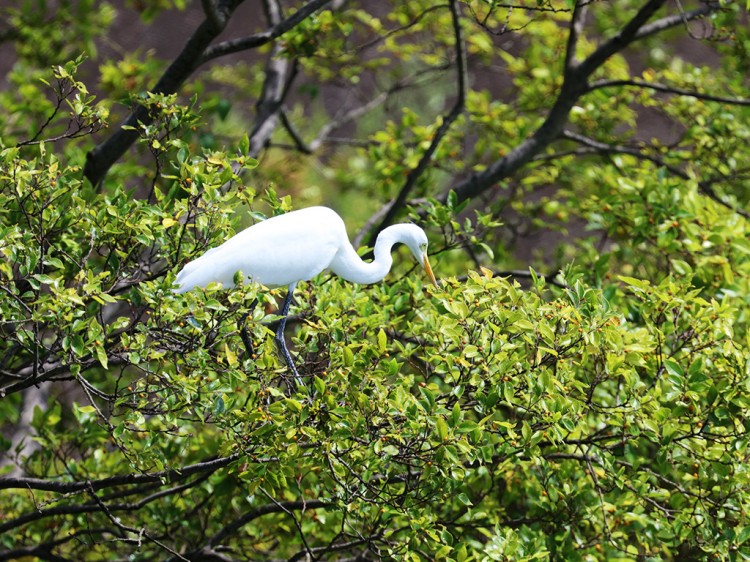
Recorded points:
(596, 411)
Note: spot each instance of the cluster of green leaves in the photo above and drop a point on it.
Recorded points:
(47, 33)
(597, 414)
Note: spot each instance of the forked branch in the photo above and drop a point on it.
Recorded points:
(196, 51)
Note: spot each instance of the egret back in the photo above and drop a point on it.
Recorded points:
(277, 252)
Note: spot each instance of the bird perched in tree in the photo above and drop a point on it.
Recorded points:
(297, 246)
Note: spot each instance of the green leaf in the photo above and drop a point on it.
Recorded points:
(244, 145)
(348, 356)
(464, 499)
(230, 355)
(639, 284)
(77, 345)
(382, 340)
(673, 368)
(294, 405)
(442, 428)
(101, 355)
(219, 405)
(467, 427)
(320, 385)
(743, 535)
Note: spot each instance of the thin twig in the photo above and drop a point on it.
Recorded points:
(253, 41)
(668, 90)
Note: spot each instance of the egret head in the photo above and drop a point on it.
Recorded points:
(416, 240)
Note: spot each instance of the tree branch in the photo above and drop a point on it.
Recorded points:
(212, 12)
(43, 551)
(337, 121)
(278, 79)
(622, 39)
(100, 159)
(678, 19)
(456, 110)
(705, 186)
(258, 39)
(575, 85)
(668, 90)
(171, 475)
(576, 29)
(195, 52)
(276, 507)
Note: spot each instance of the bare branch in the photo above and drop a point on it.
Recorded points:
(50, 370)
(668, 90)
(279, 77)
(276, 507)
(346, 116)
(337, 121)
(43, 551)
(138, 532)
(172, 475)
(294, 518)
(371, 222)
(678, 19)
(576, 29)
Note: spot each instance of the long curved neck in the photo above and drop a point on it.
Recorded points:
(352, 268)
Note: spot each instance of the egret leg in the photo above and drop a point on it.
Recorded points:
(281, 341)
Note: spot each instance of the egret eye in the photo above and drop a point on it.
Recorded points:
(423, 246)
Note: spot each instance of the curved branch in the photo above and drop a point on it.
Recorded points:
(575, 85)
(252, 41)
(668, 90)
(100, 159)
(336, 122)
(414, 174)
(43, 551)
(678, 19)
(276, 507)
(172, 475)
(345, 116)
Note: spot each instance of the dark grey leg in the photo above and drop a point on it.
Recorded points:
(281, 342)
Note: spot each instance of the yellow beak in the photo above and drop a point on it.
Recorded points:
(428, 269)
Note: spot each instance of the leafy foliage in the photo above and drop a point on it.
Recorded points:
(591, 406)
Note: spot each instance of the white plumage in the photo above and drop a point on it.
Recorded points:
(294, 247)
(297, 246)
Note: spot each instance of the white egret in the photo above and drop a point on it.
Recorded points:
(297, 246)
